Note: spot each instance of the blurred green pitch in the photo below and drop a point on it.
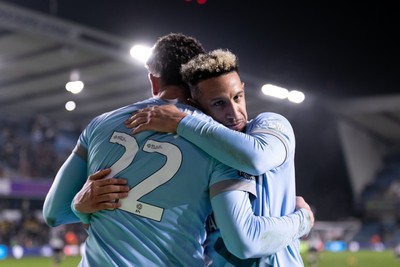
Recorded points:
(326, 259)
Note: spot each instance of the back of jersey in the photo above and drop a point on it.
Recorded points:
(161, 223)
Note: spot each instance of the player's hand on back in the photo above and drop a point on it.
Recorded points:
(99, 193)
(163, 118)
(302, 204)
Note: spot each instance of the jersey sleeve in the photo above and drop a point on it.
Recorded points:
(225, 178)
(267, 143)
(249, 236)
(68, 181)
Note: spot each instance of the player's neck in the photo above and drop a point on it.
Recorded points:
(174, 92)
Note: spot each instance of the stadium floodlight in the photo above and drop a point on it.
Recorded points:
(70, 105)
(274, 91)
(140, 52)
(74, 87)
(296, 96)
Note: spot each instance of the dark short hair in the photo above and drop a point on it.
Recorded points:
(169, 53)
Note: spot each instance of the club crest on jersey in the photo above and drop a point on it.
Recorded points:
(247, 176)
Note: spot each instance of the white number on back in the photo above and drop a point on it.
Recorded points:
(161, 176)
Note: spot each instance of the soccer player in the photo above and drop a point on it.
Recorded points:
(171, 181)
(266, 146)
(57, 243)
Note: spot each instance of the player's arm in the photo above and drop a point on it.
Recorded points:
(249, 236)
(73, 196)
(254, 153)
(68, 181)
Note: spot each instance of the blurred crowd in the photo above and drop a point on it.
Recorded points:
(26, 232)
(31, 149)
(27, 229)
(34, 148)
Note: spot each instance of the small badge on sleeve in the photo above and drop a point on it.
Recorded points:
(247, 176)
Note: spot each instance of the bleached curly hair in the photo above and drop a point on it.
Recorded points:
(209, 65)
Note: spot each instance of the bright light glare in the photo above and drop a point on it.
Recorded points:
(17, 251)
(74, 75)
(70, 105)
(282, 93)
(296, 96)
(74, 87)
(275, 91)
(140, 52)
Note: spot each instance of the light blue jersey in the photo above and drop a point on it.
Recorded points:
(267, 150)
(161, 223)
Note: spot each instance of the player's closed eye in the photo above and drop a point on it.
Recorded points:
(218, 103)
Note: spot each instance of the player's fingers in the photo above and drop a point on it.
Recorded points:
(301, 203)
(112, 189)
(110, 201)
(140, 128)
(140, 124)
(129, 120)
(136, 115)
(111, 197)
(105, 186)
(299, 199)
(112, 181)
(149, 108)
(139, 121)
(311, 217)
(99, 174)
(108, 205)
(135, 121)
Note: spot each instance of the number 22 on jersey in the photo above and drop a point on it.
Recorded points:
(164, 174)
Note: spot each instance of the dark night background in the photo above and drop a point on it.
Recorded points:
(331, 50)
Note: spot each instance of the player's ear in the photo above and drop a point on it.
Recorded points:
(155, 84)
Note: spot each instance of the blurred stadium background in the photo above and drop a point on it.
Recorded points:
(348, 144)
